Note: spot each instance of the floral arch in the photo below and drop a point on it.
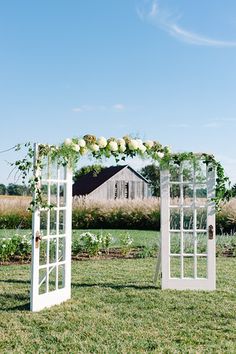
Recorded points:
(67, 156)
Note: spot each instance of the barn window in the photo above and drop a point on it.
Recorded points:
(116, 190)
(126, 190)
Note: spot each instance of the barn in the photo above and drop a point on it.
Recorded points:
(115, 182)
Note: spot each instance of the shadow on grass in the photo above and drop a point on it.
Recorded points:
(15, 281)
(9, 302)
(116, 286)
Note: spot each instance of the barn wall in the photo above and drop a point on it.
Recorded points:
(137, 187)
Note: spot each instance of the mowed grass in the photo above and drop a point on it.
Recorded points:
(116, 309)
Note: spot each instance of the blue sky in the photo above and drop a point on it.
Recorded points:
(161, 70)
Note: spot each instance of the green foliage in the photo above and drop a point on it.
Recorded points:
(126, 243)
(3, 189)
(152, 174)
(17, 247)
(86, 169)
(17, 189)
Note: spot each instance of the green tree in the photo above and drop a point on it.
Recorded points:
(16, 189)
(152, 174)
(86, 169)
(3, 189)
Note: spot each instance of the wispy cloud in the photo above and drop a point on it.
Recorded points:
(168, 21)
(179, 125)
(88, 108)
(119, 107)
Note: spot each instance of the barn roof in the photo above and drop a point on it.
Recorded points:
(89, 182)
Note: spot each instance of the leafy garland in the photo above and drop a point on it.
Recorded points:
(70, 151)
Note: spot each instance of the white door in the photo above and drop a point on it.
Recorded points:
(188, 227)
(51, 244)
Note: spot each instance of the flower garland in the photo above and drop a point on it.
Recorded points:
(71, 150)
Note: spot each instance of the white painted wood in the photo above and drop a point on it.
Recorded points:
(182, 280)
(56, 269)
(165, 217)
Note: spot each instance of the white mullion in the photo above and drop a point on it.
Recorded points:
(57, 223)
(181, 221)
(194, 222)
(48, 226)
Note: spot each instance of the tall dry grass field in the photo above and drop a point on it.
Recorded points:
(13, 204)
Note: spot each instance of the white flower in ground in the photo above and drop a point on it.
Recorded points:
(149, 144)
(113, 146)
(133, 144)
(122, 148)
(121, 141)
(68, 141)
(81, 143)
(102, 142)
(160, 154)
(94, 147)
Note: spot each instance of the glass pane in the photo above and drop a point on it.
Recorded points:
(188, 218)
(53, 250)
(62, 194)
(62, 172)
(53, 223)
(61, 276)
(174, 194)
(43, 252)
(188, 242)
(174, 218)
(53, 194)
(44, 192)
(175, 267)
(61, 250)
(202, 218)
(187, 170)
(202, 239)
(188, 267)
(42, 281)
(174, 173)
(44, 170)
(202, 267)
(53, 171)
(61, 222)
(43, 222)
(52, 278)
(188, 194)
(201, 195)
(200, 172)
(175, 242)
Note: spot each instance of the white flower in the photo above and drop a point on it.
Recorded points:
(76, 147)
(122, 148)
(133, 144)
(149, 144)
(68, 141)
(142, 148)
(160, 154)
(140, 143)
(83, 151)
(81, 143)
(102, 142)
(94, 147)
(113, 146)
(121, 141)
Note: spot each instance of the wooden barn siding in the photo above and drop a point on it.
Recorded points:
(138, 188)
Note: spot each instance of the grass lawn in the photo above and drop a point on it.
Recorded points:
(116, 309)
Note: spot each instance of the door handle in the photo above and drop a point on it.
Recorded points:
(38, 238)
(210, 232)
